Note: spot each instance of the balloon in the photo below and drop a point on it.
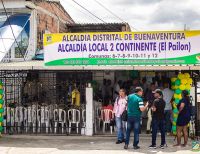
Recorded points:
(177, 96)
(173, 79)
(176, 101)
(178, 91)
(176, 87)
(1, 96)
(175, 105)
(174, 123)
(1, 101)
(173, 128)
(173, 87)
(182, 87)
(175, 116)
(187, 86)
(1, 119)
(177, 82)
(188, 91)
(1, 87)
(1, 106)
(181, 76)
(175, 119)
(189, 81)
(175, 111)
(187, 75)
(184, 81)
(1, 91)
(1, 110)
(1, 129)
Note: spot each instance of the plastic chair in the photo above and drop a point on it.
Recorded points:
(99, 115)
(43, 118)
(84, 117)
(107, 117)
(30, 118)
(59, 118)
(73, 118)
(19, 117)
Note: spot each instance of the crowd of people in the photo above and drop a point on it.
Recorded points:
(154, 101)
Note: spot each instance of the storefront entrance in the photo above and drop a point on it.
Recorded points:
(54, 102)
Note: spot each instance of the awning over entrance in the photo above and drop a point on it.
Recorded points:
(39, 65)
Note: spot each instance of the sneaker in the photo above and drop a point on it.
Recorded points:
(162, 146)
(118, 142)
(126, 146)
(152, 147)
(136, 147)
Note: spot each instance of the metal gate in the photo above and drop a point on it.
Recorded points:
(197, 105)
(44, 102)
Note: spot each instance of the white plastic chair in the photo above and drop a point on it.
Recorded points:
(59, 118)
(73, 118)
(30, 118)
(43, 118)
(19, 117)
(107, 117)
(84, 117)
(99, 116)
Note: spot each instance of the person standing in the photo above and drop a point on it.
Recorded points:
(158, 119)
(183, 118)
(119, 108)
(167, 96)
(134, 110)
(150, 98)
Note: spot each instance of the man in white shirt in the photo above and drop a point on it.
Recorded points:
(167, 96)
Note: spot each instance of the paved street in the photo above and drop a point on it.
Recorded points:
(22, 144)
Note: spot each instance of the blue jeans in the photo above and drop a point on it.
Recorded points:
(168, 121)
(156, 123)
(133, 123)
(120, 128)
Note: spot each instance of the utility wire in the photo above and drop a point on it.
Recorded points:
(12, 30)
(113, 13)
(79, 11)
(95, 15)
(50, 2)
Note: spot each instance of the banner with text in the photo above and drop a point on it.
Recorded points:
(122, 48)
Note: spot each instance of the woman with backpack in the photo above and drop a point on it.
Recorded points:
(119, 109)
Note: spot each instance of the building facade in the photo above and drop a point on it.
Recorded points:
(35, 17)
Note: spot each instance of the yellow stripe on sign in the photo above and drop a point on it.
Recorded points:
(58, 37)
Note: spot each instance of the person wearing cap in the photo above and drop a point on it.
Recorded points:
(158, 119)
(183, 118)
(134, 110)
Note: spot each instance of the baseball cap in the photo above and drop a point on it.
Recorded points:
(158, 91)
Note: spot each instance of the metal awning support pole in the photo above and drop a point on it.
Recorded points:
(89, 111)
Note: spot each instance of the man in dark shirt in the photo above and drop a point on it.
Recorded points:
(158, 118)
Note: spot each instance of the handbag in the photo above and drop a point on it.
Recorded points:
(124, 115)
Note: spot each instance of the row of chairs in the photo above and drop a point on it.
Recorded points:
(29, 116)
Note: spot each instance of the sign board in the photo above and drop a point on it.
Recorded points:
(123, 48)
